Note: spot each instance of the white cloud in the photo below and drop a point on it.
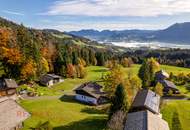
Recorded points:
(119, 7)
(12, 12)
(100, 26)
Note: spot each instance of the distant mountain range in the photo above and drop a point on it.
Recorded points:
(177, 33)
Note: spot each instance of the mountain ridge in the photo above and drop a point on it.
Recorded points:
(176, 33)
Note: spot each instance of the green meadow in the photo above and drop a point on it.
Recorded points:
(64, 113)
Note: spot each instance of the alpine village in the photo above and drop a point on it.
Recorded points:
(52, 80)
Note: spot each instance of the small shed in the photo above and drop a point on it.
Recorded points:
(146, 100)
(50, 79)
(12, 115)
(168, 85)
(161, 75)
(7, 87)
(91, 93)
(145, 120)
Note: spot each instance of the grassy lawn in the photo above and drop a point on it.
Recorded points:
(94, 73)
(66, 114)
(182, 108)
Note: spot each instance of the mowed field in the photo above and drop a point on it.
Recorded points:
(64, 113)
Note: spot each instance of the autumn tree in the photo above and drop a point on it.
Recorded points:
(159, 89)
(10, 54)
(147, 72)
(113, 79)
(28, 70)
(80, 71)
(126, 62)
(71, 72)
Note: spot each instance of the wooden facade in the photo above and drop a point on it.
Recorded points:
(7, 87)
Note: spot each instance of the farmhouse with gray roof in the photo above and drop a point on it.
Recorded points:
(50, 79)
(161, 77)
(91, 93)
(168, 85)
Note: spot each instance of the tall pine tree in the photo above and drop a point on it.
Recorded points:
(119, 100)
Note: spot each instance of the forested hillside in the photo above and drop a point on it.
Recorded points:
(27, 54)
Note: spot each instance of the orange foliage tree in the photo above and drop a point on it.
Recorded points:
(28, 70)
(71, 72)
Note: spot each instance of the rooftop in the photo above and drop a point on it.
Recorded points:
(147, 99)
(91, 88)
(145, 120)
(11, 114)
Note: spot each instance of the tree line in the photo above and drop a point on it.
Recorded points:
(175, 57)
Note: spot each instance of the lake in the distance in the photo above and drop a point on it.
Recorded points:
(153, 45)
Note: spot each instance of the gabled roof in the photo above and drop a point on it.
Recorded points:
(145, 120)
(147, 99)
(46, 78)
(162, 74)
(92, 88)
(169, 84)
(8, 83)
(11, 114)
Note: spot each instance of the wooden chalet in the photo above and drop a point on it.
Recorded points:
(168, 85)
(90, 93)
(7, 87)
(12, 114)
(161, 77)
(50, 79)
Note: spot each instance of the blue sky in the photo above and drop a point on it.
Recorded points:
(67, 15)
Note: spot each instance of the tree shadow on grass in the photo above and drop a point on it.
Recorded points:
(92, 110)
(86, 124)
(67, 98)
(70, 99)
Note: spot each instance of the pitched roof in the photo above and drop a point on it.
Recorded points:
(147, 99)
(145, 120)
(91, 88)
(162, 74)
(10, 83)
(46, 78)
(11, 114)
(169, 84)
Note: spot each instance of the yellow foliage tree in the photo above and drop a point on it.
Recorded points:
(159, 89)
(45, 64)
(113, 79)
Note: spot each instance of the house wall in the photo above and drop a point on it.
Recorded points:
(86, 99)
(50, 83)
(3, 93)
